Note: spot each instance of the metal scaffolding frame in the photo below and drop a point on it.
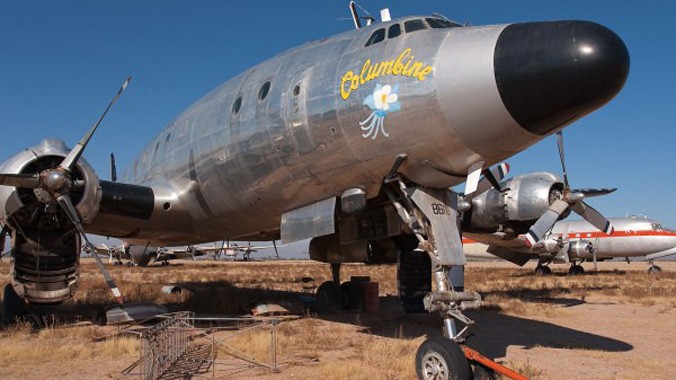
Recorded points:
(175, 348)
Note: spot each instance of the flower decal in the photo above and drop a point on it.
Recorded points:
(383, 100)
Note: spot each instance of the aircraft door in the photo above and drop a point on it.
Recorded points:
(296, 112)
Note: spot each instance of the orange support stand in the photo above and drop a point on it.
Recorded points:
(472, 355)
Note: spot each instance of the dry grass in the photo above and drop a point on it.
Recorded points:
(348, 347)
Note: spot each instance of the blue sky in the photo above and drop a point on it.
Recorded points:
(61, 62)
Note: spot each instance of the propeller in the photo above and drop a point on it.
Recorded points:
(569, 199)
(489, 177)
(57, 182)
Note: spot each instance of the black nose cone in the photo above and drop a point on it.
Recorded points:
(551, 73)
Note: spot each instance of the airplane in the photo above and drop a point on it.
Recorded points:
(142, 256)
(577, 241)
(353, 141)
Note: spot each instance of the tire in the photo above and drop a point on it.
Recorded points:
(440, 358)
(540, 271)
(479, 371)
(414, 278)
(576, 270)
(328, 298)
(654, 269)
(13, 306)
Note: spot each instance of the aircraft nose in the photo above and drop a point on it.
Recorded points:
(551, 73)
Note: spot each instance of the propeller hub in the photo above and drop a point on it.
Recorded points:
(55, 180)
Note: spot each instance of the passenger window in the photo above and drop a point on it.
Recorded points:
(296, 90)
(166, 141)
(394, 31)
(237, 105)
(377, 36)
(413, 25)
(438, 23)
(263, 92)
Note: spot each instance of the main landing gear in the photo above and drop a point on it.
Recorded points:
(332, 296)
(575, 269)
(654, 269)
(543, 270)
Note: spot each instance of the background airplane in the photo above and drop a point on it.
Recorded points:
(142, 256)
(577, 241)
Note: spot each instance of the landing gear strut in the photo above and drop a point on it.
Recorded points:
(432, 217)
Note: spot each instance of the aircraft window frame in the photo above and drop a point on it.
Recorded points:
(377, 36)
(296, 90)
(393, 27)
(419, 25)
(264, 91)
(237, 105)
(441, 23)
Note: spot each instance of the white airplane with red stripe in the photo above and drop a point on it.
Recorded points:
(577, 241)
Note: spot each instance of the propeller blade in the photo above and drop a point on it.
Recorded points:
(473, 176)
(71, 159)
(26, 181)
(67, 205)
(491, 177)
(113, 169)
(559, 138)
(594, 192)
(592, 216)
(546, 222)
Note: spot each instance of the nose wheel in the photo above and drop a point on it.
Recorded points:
(439, 358)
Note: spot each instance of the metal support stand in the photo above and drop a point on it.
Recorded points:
(432, 216)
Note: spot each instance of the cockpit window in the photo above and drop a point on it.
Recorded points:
(413, 25)
(657, 227)
(394, 31)
(437, 23)
(377, 36)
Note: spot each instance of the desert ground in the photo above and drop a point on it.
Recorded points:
(615, 323)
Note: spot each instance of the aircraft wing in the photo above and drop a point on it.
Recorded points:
(659, 255)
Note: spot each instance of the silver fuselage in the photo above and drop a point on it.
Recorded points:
(226, 174)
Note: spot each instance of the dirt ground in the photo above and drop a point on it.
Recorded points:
(618, 323)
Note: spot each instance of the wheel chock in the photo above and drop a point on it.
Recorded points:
(473, 355)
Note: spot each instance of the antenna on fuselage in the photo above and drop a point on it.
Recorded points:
(355, 16)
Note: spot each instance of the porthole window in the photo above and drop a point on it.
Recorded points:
(263, 92)
(296, 90)
(237, 105)
(394, 31)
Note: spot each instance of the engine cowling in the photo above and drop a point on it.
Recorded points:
(523, 200)
(581, 249)
(45, 244)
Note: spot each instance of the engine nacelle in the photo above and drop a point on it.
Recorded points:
(581, 249)
(45, 244)
(524, 199)
(328, 249)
